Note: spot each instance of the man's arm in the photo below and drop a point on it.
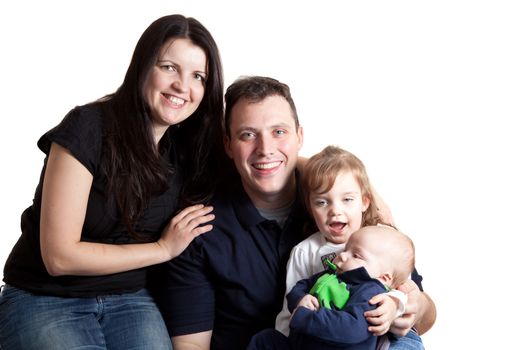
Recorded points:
(427, 317)
(186, 298)
(383, 210)
(195, 341)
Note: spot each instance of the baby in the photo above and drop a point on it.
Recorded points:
(328, 308)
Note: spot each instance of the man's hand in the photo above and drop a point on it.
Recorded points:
(420, 311)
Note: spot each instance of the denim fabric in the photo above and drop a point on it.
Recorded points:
(411, 341)
(123, 321)
(270, 339)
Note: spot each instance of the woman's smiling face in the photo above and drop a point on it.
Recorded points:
(175, 86)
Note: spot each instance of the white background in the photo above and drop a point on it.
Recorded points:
(428, 95)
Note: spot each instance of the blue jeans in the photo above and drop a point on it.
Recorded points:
(411, 341)
(120, 321)
(271, 339)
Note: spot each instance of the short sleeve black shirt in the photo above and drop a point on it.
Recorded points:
(231, 279)
(82, 132)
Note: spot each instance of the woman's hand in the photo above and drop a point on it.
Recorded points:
(381, 318)
(184, 227)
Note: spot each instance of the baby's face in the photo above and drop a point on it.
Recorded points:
(361, 251)
(338, 212)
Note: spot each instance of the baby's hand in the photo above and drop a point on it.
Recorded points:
(309, 302)
(382, 317)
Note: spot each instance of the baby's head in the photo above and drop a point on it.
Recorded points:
(338, 194)
(386, 253)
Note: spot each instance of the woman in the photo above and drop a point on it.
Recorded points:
(115, 172)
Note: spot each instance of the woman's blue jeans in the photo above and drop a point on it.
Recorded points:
(120, 321)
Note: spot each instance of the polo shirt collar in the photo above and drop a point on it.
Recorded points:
(249, 216)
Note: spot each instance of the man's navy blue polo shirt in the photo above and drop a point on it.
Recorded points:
(231, 279)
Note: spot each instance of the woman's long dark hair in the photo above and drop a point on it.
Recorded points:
(134, 168)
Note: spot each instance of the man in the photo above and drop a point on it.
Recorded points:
(229, 284)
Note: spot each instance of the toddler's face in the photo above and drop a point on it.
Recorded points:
(338, 212)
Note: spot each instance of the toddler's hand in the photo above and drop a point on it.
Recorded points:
(382, 317)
